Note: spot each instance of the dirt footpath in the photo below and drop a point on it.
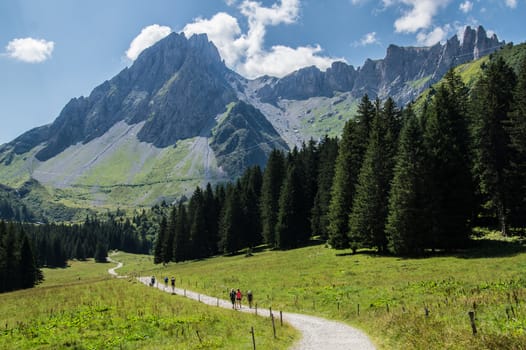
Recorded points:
(317, 333)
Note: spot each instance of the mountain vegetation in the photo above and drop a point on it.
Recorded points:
(421, 182)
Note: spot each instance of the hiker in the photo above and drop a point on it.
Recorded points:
(239, 296)
(166, 282)
(173, 285)
(152, 282)
(249, 298)
(233, 298)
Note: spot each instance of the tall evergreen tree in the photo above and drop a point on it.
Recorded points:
(211, 221)
(449, 180)
(270, 191)
(181, 244)
(198, 227)
(231, 222)
(348, 163)
(406, 222)
(292, 228)
(160, 248)
(517, 132)
(251, 182)
(492, 99)
(328, 151)
(368, 217)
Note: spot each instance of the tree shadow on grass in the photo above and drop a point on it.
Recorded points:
(490, 248)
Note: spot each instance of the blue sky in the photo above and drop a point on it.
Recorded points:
(52, 51)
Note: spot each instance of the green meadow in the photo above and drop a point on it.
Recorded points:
(81, 307)
(400, 303)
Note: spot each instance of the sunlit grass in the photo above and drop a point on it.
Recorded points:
(80, 307)
(385, 296)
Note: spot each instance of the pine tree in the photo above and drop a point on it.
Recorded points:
(181, 235)
(101, 252)
(292, 228)
(368, 217)
(449, 180)
(270, 191)
(158, 256)
(211, 221)
(351, 153)
(328, 151)
(198, 227)
(231, 222)
(250, 184)
(517, 132)
(492, 99)
(406, 222)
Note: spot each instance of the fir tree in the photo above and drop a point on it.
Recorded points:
(449, 181)
(328, 151)
(159, 251)
(181, 235)
(368, 217)
(292, 226)
(231, 222)
(270, 191)
(406, 222)
(492, 99)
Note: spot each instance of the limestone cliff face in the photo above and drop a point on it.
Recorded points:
(403, 74)
(177, 86)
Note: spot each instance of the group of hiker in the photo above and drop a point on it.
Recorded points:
(236, 296)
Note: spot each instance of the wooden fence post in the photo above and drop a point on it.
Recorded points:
(472, 321)
(281, 318)
(358, 309)
(253, 337)
(273, 324)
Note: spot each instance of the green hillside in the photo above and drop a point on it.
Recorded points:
(81, 307)
(385, 296)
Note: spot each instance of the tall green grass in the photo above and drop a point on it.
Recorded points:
(81, 308)
(385, 296)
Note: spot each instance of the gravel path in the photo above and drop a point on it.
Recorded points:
(317, 333)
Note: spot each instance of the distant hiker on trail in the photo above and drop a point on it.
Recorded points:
(239, 296)
(166, 281)
(249, 298)
(152, 282)
(233, 298)
(173, 285)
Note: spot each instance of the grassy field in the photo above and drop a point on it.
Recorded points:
(81, 307)
(387, 297)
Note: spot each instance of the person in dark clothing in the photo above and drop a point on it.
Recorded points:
(233, 298)
(250, 298)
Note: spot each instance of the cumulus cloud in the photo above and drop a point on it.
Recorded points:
(367, 39)
(511, 3)
(466, 6)
(419, 16)
(149, 35)
(30, 50)
(431, 38)
(224, 31)
(245, 52)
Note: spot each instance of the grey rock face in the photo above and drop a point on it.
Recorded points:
(403, 74)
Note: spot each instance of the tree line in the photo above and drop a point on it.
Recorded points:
(26, 247)
(397, 180)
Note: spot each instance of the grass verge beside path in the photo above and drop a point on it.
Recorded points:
(387, 297)
(93, 311)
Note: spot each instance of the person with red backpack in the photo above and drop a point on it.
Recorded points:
(239, 296)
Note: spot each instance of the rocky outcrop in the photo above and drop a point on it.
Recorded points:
(244, 138)
(403, 74)
(177, 86)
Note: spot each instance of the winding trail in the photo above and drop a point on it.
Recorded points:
(317, 333)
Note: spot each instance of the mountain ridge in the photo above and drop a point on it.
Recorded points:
(178, 117)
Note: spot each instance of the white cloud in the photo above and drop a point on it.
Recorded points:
(466, 6)
(148, 36)
(30, 50)
(367, 39)
(420, 16)
(511, 3)
(245, 52)
(224, 31)
(431, 38)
